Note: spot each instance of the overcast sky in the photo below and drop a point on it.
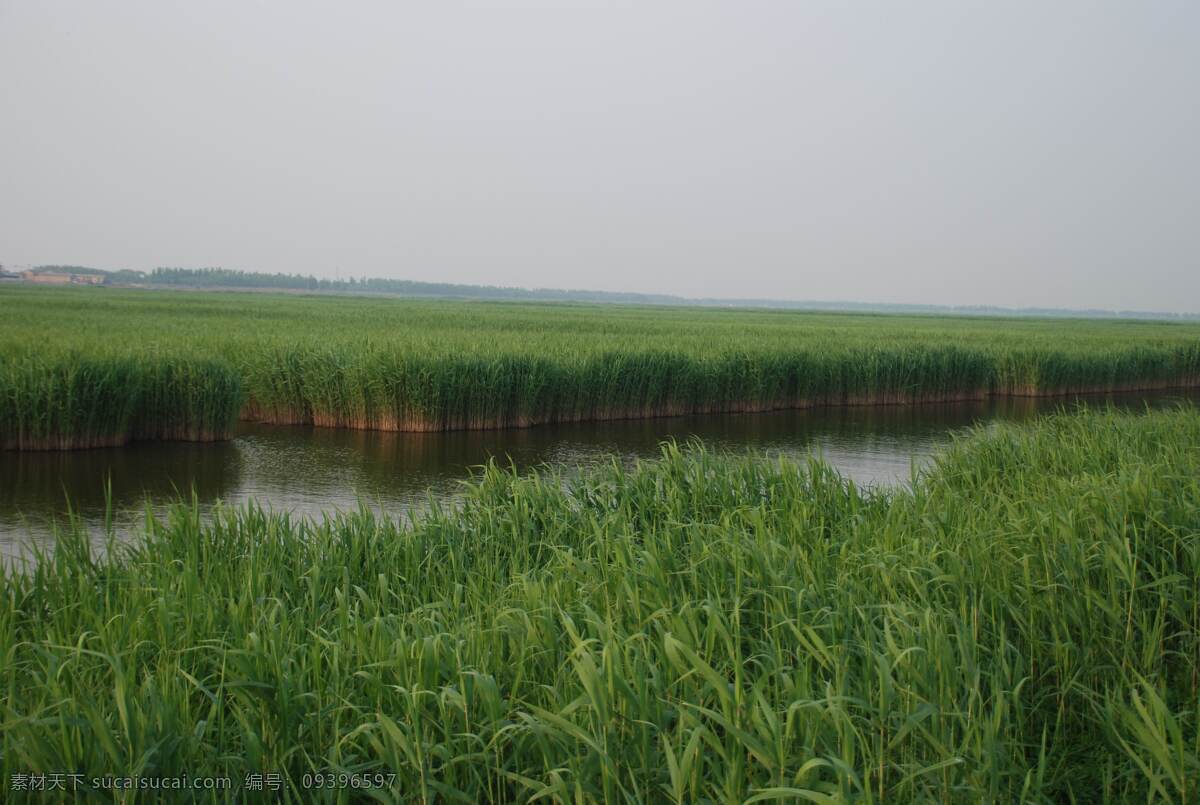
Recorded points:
(1018, 154)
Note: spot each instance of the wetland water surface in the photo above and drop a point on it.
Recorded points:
(308, 471)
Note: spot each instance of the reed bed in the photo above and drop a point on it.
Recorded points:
(1022, 624)
(433, 365)
(54, 399)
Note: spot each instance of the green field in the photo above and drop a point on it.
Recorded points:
(82, 367)
(1023, 624)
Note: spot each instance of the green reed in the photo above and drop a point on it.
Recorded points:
(435, 365)
(1021, 624)
(61, 399)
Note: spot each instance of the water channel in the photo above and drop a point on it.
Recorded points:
(309, 471)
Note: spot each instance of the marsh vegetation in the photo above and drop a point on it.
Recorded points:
(87, 367)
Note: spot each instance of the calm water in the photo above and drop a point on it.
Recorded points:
(311, 470)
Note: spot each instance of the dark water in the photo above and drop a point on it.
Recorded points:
(312, 470)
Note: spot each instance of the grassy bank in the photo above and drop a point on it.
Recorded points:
(429, 365)
(1022, 625)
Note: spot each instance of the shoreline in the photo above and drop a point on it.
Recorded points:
(251, 412)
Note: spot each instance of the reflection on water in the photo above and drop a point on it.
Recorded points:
(313, 470)
(42, 481)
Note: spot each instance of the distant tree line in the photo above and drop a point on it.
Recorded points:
(70, 270)
(227, 278)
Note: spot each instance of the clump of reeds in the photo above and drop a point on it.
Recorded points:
(62, 401)
(385, 389)
(55, 400)
(1021, 625)
(189, 399)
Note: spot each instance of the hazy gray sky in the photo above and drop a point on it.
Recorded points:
(961, 153)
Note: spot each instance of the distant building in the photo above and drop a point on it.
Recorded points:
(46, 279)
(61, 278)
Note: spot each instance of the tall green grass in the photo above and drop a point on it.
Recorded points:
(1022, 624)
(52, 399)
(429, 365)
